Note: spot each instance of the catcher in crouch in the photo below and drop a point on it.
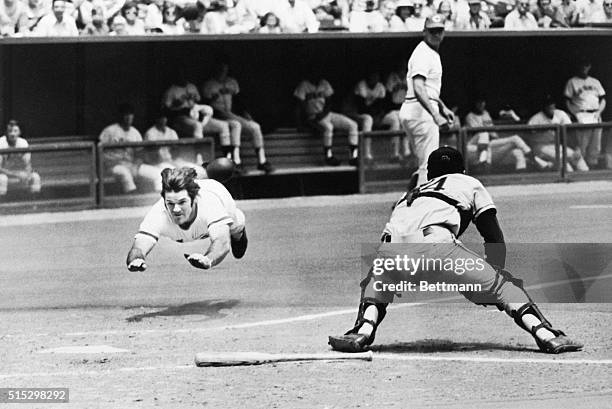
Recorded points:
(439, 211)
(191, 209)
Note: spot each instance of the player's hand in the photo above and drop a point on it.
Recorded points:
(137, 264)
(449, 115)
(199, 261)
(441, 121)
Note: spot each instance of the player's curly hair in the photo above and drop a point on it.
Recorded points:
(175, 180)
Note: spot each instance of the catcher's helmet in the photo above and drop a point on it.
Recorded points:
(444, 160)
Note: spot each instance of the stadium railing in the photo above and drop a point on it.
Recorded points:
(382, 174)
(67, 170)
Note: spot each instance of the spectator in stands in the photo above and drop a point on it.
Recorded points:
(298, 17)
(16, 168)
(445, 9)
(314, 99)
(387, 11)
(489, 149)
(403, 10)
(430, 7)
(606, 15)
(366, 17)
(112, 8)
(215, 19)
(520, 18)
(270, 24)
(118, 26)
(570, 12)
(544, 143)
(57, 23)
(259, 8)
(170, 20)
(416, 22)
(477, 20)
(585, 99)
(588, 10)
(35, 10)
(121, 162)
(134, 26)
(460, 8)
(220, 92)
(549, 16)
(97, 26)
(331, 14)
(177, 102)
(164, 158)
(396, 88)
(13, 18)
(191, 18)
(154, 17)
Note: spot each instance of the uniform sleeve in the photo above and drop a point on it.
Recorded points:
(153, 223)
(564, 118)
(419, 66)
(482, 199)
(213, 209)
(328, 91)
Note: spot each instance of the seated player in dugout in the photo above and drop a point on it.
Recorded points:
(439, 211)
(191, 209)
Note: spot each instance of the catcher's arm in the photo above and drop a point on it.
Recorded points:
(140, 248)
(495, 246)
(218, 249)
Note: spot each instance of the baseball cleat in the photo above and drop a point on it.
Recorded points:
(559, 344)
(239, 246)
(350, 342)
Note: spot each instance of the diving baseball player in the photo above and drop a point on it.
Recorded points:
(191, 209)
(423, 113)
(432, 217)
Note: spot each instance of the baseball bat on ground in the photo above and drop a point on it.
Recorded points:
(259, 358)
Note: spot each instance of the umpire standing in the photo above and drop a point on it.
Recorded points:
(423, 112)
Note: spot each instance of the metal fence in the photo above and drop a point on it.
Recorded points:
(78, 173)
(384, 174)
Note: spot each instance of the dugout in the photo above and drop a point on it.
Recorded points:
(71, 86)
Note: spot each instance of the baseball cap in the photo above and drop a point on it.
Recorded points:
(444, 160)
(435, 21)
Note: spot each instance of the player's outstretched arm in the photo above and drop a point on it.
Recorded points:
(495, 247)
(219, 248)
(136, 256)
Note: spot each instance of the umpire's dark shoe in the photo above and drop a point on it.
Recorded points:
(239, 246)
(559, 344)
(350, 342)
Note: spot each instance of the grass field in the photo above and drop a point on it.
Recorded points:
(63, 283)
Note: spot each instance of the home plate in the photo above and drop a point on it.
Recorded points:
(83, 349)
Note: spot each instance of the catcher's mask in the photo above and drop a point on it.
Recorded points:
(444, 160)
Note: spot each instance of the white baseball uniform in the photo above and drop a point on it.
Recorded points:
(416, 121)
(585, 94)
(214, 205)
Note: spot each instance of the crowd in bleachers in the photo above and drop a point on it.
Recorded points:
(23, 18)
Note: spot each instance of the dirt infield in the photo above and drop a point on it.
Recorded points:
(63, 283)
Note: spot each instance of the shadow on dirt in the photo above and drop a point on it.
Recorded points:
(445, 345)
(210, 308)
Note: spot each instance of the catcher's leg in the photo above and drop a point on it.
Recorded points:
(508, 294)
(372, 311)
